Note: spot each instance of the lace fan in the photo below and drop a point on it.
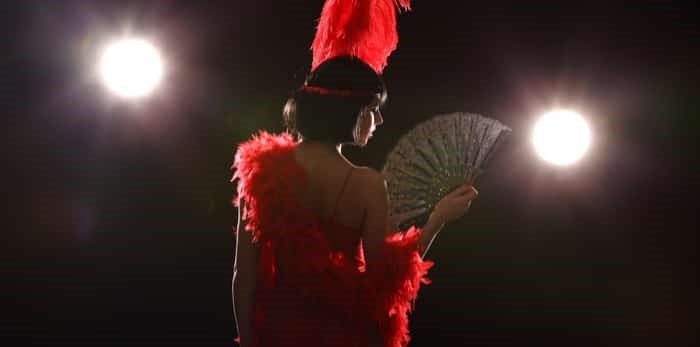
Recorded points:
(433, 159)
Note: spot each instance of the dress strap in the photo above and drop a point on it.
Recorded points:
(337, 200)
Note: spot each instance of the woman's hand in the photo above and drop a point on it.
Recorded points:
(455, 204)
(452, 206)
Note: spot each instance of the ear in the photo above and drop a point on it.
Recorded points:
(357, 129)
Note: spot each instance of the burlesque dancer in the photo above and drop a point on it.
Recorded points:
(317, 263)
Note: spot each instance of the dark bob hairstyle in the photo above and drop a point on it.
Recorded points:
(326, 108)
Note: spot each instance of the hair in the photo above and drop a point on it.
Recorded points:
(326, 108)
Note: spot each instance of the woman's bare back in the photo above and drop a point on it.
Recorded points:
(334, 186)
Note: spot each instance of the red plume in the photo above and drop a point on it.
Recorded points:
(365, 29)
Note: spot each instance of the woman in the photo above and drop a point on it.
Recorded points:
(316, 262)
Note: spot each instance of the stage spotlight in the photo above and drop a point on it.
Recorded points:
(131, 67)
(561, 137)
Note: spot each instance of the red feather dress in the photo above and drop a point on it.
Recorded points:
(312, 286)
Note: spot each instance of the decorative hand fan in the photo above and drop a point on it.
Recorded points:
(433, 159)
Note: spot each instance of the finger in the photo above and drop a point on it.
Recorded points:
(473, 192)
(469, 195)
(468, 188)
(461, 190)
(463, 200)
(469, 204)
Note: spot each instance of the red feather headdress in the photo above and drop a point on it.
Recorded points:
(365, 29)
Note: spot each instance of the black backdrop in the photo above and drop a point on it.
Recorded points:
(119, 213)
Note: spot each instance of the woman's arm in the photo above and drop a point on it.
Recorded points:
(397, 255)
(452, 206)
(375, 226)
(428, 234)
(244, 280)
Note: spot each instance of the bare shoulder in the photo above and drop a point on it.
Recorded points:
(375, 201)
(369, 175)
(370, 183)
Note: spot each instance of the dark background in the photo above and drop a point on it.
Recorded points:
(119, 215)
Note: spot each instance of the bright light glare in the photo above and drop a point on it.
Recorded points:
(131, 67)
(561, 137)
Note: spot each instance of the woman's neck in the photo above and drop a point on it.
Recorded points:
(333, 151)
(322, 147)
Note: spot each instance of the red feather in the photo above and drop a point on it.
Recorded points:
(365, 29)
(312, 286)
